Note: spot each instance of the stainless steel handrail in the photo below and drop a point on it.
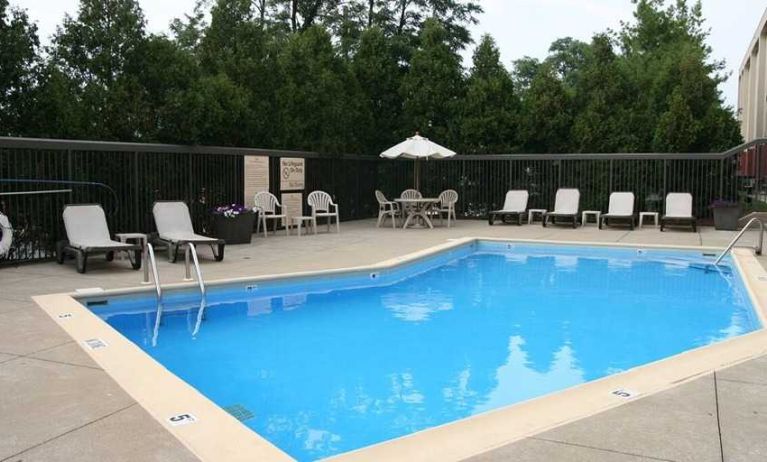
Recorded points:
(757, 248)
(155, 274)
(190, 250)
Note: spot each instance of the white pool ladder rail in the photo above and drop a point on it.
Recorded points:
(192, 251)
(155, 275)
(757, 247)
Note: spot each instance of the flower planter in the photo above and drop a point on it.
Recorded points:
(726, 218)
(234, 230)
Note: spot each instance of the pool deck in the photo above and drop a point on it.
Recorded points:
(57, 404)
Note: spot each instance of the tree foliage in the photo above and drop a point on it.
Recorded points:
(18, 58)
(355, 76)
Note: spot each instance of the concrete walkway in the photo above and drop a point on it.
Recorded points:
(58, 405)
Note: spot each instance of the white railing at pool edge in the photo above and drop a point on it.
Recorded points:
(190, 250)
(759, 242)
(153, 264)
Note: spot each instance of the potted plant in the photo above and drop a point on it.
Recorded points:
(726, 214)
(233, 223)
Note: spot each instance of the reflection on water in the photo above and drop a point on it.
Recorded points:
(416, 307)
(330, 372)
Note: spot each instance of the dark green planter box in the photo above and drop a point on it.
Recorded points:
(726, 218)
(238, 230)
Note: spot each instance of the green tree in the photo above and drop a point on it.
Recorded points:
(665, 50)
(523, 72)
(433, 86)
(490, 109)
(239, 47)
(603, 102)
(568, 56)
(169, 71)
(98, 51)
(546, 114)
(318, 99)
(18, 60)
(378, 75)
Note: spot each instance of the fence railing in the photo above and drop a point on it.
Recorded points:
(39, 176)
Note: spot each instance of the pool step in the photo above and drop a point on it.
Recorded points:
(239, 412)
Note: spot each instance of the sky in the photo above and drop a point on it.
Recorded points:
(520, 27)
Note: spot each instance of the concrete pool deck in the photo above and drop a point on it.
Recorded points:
(56, 404)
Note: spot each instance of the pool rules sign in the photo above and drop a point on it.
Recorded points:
(256, 177)
(292, 174)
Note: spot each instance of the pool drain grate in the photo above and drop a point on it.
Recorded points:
(239, 412)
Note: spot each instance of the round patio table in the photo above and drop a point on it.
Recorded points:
(417, 208)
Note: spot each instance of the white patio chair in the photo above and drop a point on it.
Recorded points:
(174, 228)
(679, 211)
(411, 194)
(515, 204)
(446, 205)
(322, 206)
(386, 208)
(266, 205)
(87, 234)
(566, 205)
(621, 208)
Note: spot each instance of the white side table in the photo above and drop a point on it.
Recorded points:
(298, 221)
(595, 213)
(142, 240)
(653, 215)
(532, 212)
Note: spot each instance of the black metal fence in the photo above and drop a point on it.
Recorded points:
(38, 177)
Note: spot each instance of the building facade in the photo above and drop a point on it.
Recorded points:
(752, 86)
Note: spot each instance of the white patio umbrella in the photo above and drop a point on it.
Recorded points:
(417, 147)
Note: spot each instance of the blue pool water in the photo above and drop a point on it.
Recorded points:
(327, 365)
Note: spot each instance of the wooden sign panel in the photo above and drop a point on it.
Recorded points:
(292, 173)
(292, 206)
(256, 177)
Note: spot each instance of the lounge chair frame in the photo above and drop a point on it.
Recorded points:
(618, 217)
(679, 220)
(508, 213)
(65, 248)
(173, 245)
(571, 217)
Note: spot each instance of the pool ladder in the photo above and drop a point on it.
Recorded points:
(757, 248)
(190, 259)
(192, 251)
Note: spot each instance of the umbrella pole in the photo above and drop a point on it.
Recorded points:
(417, 174)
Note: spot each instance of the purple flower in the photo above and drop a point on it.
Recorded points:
(720, 203)
(230, 211)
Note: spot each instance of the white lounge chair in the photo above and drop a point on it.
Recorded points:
(386, 208)
(446, 205)
(174, 229)
(266, 204)
(621, 208)
(515, 204)
(679, 211)
(322, 206)
(88, 233)
(566, 204)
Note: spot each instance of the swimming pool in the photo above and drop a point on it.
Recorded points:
(323, 365)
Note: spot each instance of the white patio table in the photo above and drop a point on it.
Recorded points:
(417, 208)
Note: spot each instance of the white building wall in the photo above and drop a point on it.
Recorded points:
(752, 86)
